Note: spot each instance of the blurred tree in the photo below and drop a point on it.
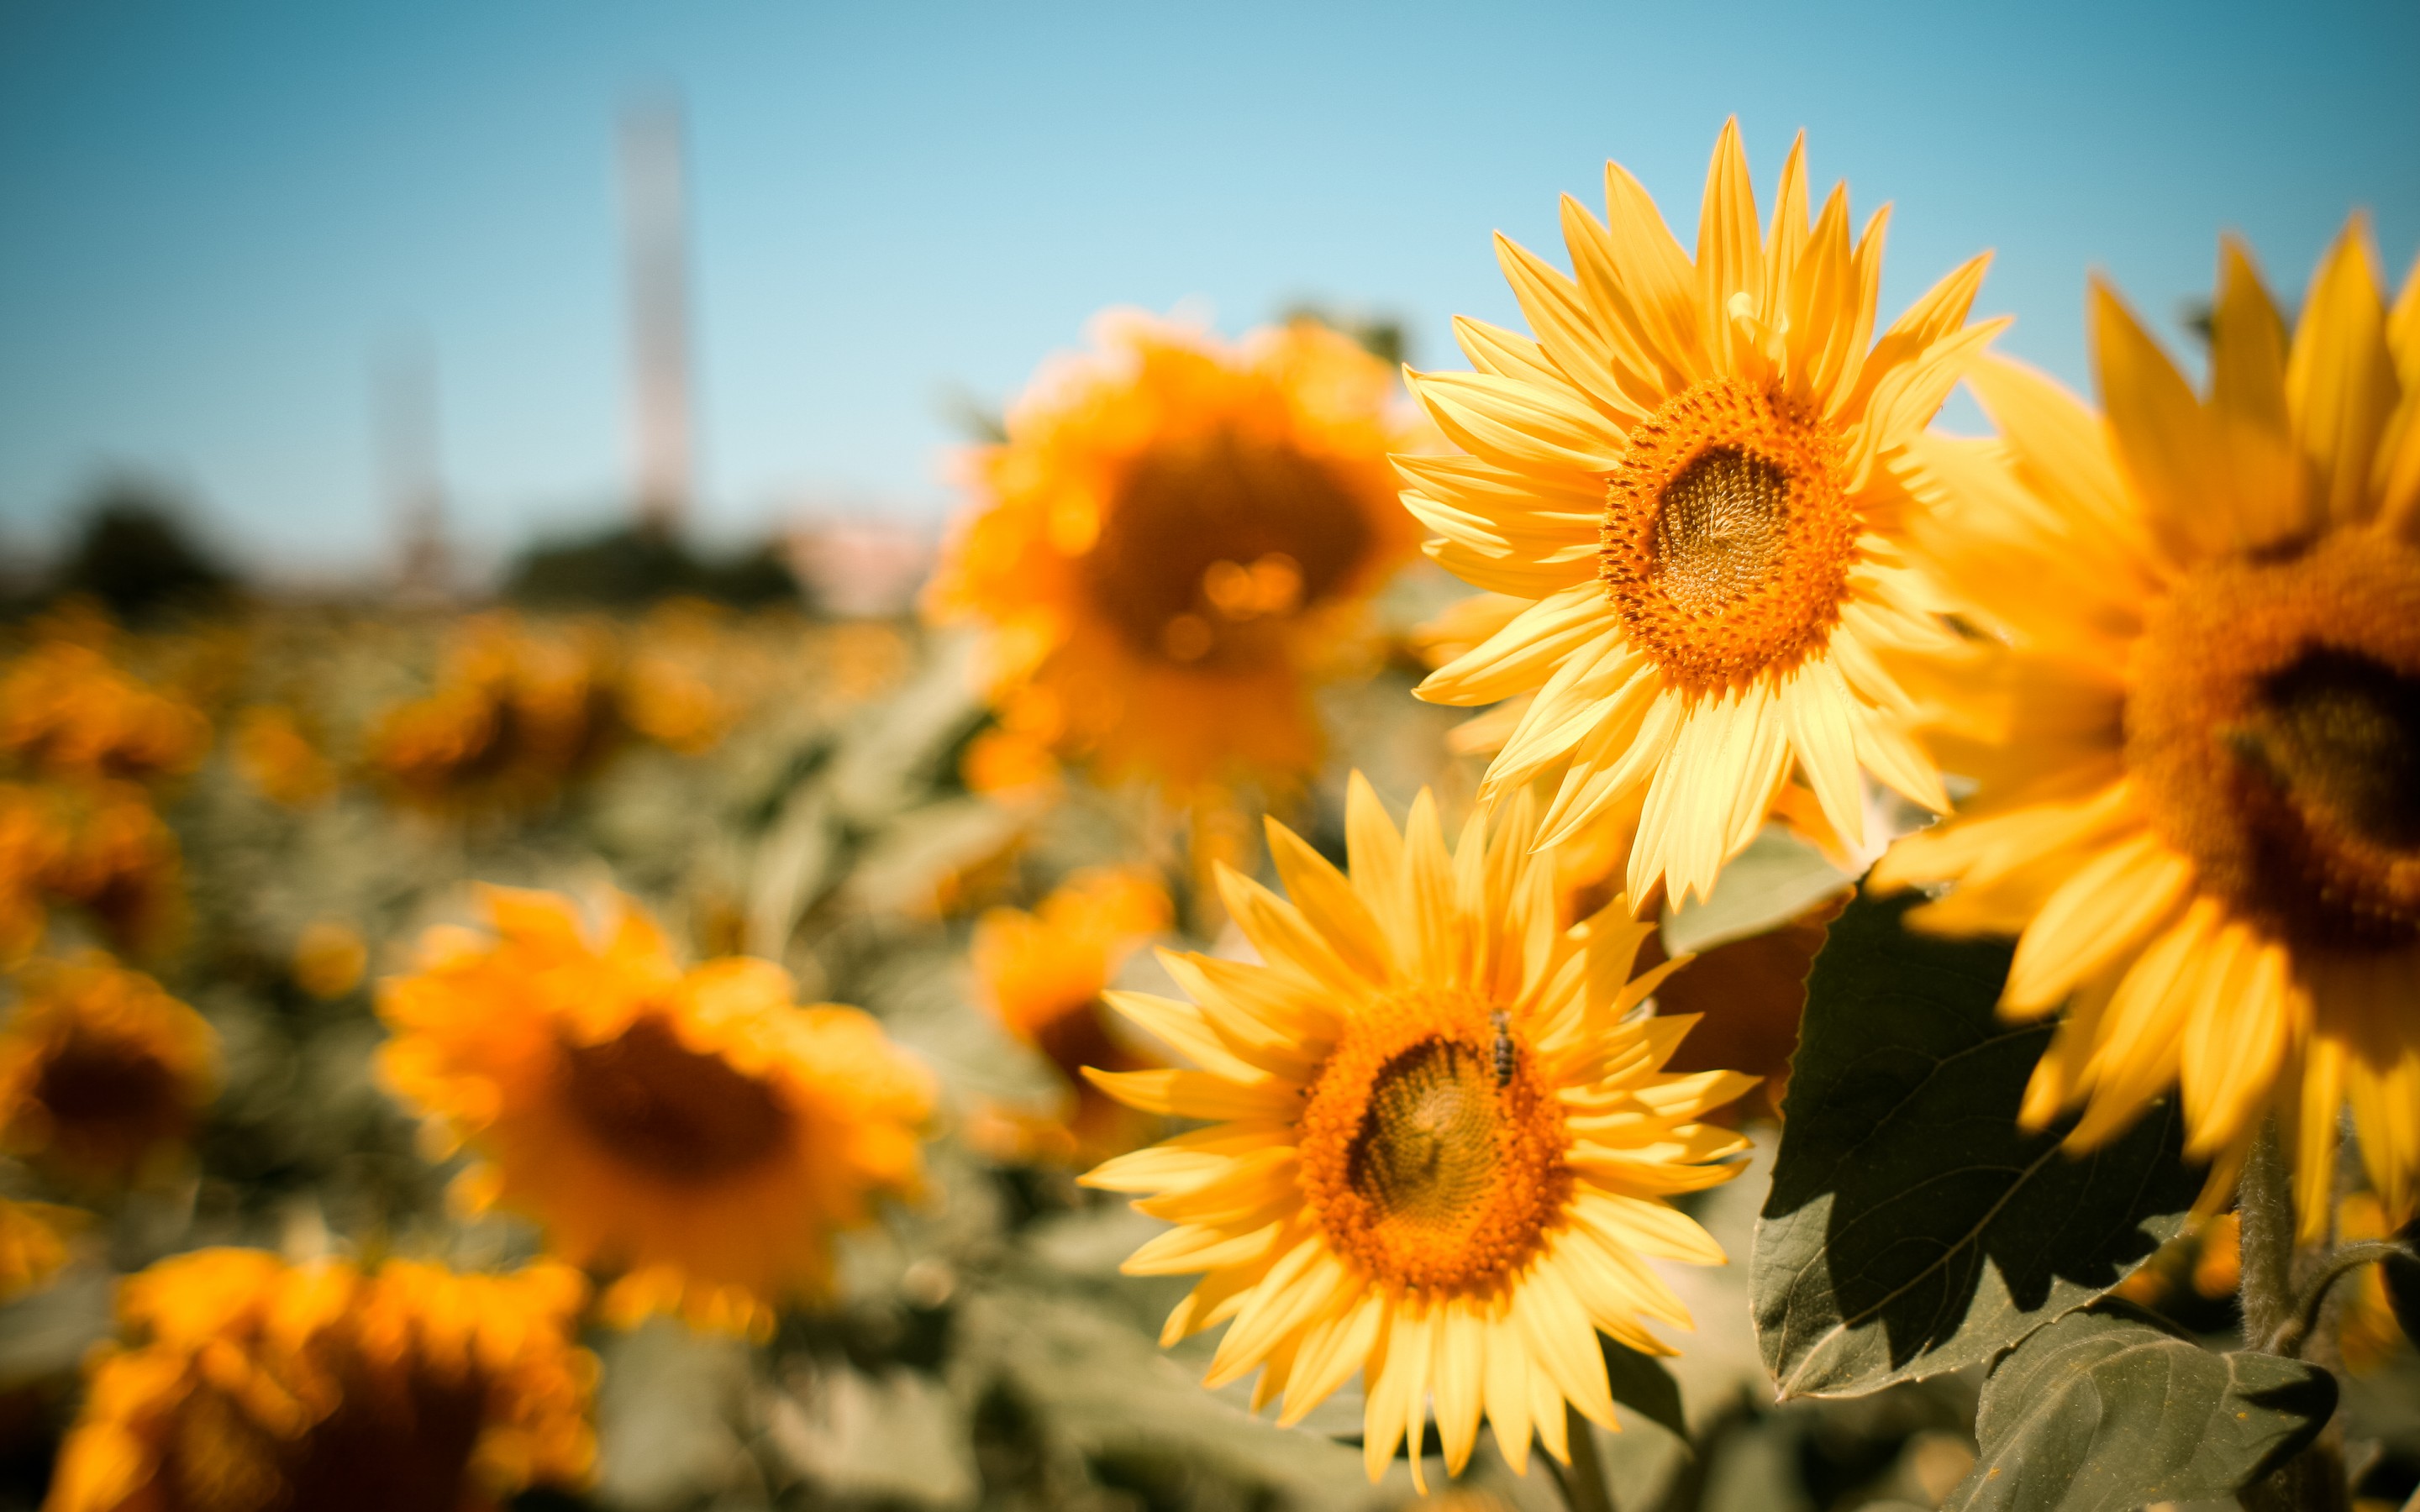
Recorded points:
(632, 565)
(1381, 335)
(136, 554)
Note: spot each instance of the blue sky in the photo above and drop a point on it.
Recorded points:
(213, 218)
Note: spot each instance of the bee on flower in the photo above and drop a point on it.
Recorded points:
(1440, 1138)
(1682, 484)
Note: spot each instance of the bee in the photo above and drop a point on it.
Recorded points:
(1503, 1047)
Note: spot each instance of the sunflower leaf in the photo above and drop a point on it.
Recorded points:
(2105, 1409)
(1913, 1227)
(1641, 1382)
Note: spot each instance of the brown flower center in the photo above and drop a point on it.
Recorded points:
(396, 1441)
(1729, 534)
(108, 1101)
(669, 1110)
(1431, 1152)
(1211, 544)
(2275, 730)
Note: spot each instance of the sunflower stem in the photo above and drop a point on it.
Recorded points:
(2265, 1204)
(1583, 1482)
(2314, 1480)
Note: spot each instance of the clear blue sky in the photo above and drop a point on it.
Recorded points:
(213, 216)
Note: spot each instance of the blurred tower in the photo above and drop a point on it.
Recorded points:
(656, 256)
(404, 389)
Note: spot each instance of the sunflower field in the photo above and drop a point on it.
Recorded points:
(1628, 925)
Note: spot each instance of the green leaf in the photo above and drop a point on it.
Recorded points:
(2105, 1410)
(1778, 877)
(1913, 1229)
(1641, 1382)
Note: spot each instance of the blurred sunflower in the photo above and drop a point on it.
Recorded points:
(1442, 1144)
(97, 846)
(250, 1385)
(101, 1071)
(279, 757)
(66, 709)
(1173, 542)
(695, 1130)
(2196, 726)
(1042, 975)
(1686, 478)
(514, 716)
(330, 959)
(2367, 1329)
(32, 1244)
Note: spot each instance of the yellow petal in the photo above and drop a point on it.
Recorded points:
(1657, 277)
(2248, 399)
(2168, 444)
(1730, 253)
(2104, 912)
(2340, 382)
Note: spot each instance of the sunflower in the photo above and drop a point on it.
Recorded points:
(1042, 975)
(514, 716)
(32, 1244)
(1685, 478)
(277, 755)
(1173, 541)
(67, 709)
(248, 1384)
(101, 1071)
(2195, 726)
(1441, 1142)
(695, 1130)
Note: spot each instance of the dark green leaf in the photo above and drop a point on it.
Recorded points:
(2403, 1284)
(2105, 1410)
(1913, 1227)
(1641, 1383)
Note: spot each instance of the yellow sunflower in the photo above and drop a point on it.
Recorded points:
(277, 754)
(2196, 728)
(1684, 479)
(1173, 541)
(1441, 1141)
(67, 709)
(251, 1385)
(514, 716)
(695, 1130)
(101, 1071)
(32, 1244)
(1042, 975)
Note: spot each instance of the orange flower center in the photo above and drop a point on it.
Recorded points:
(2273, 727)
(1729, 534)
(1213, 543)
(1431, 1153)
(669, 1110)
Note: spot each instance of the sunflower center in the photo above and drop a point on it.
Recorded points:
(2274, 729)
(671, 1110)
(1729, 534)
(107, 1100)
(1212, 543)
(1432, 1151)
(394, 1441)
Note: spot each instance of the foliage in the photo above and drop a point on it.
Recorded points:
(1913, 1226)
